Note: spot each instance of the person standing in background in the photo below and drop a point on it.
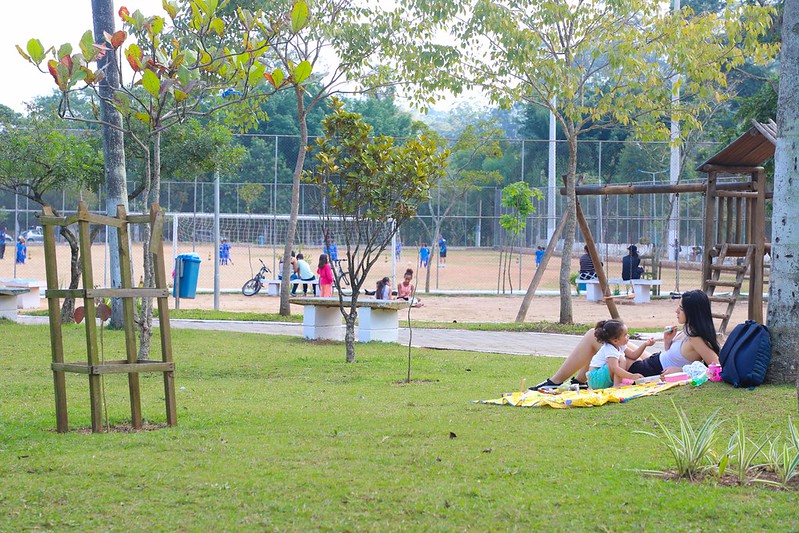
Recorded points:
(424, 255)
(22, 251)
(2, 242)
(442, 250)
(539, 256)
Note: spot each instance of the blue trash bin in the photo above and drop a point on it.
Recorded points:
(187, 270)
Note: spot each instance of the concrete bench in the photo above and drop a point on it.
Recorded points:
(641, 287)
(30, 299)
(378, 320)
(273, 285)
(8, 302)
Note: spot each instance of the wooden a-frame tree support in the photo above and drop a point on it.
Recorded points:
(93, 366)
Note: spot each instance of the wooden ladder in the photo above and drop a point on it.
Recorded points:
(716, 268)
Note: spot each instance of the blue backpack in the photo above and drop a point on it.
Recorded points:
(746, 355)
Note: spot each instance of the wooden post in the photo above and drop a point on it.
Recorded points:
(126, 275)
(758, 224)
(739, 218)
(54, 310)
(157, 249)
(539, 273)
(592, 251)
(92, 352)
(709, 228)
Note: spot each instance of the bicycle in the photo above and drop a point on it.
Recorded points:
(343, 278)
(254, 285)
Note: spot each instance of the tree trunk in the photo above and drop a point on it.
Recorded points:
(285, 308)
(433, 246)
(783, 306)
(68, 307)
(349, 334)
(113, 144)
(566, 314)
(151, 195)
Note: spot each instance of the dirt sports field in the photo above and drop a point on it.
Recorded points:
(466, 270)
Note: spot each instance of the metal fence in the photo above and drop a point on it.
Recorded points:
(474, 235)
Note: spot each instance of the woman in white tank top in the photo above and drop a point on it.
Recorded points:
(693, 339)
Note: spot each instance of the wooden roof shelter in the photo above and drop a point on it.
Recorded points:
(735, 221)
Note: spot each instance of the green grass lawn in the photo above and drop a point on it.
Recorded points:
(280, 433)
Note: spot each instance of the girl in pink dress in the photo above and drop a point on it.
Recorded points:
(325, 273)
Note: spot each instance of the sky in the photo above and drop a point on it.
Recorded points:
(56, 22)
(53, 22)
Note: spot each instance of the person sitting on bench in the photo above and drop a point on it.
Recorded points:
(631, 264)
(303, 270)
(587, 270)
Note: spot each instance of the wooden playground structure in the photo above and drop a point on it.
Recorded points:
(734, 222)
(95, 366)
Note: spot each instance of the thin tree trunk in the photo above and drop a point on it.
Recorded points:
(151, 194)
(539, 273)
(68, 307)
(566, 314)
(285, 308)
(349, 334)
(103, 15)
(783, 306)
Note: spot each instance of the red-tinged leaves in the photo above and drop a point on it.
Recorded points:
(124, 14)
(134, 56)
(51, 66)
(103, 312)
(78, 315)
(117, 39)
(67, 62)
(270, 79)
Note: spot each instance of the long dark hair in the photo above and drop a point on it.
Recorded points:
(381, 284)
(322, 261)
(607, 330)
(698, 317)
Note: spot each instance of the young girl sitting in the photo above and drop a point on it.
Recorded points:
(383, 291)
(609, 366)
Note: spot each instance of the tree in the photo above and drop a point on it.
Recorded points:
(36, 158)
(518, 199)
(113, 138)
(352, 34)
(597, 64)
(200, 64)
(372, 186)
(465, 172)
(784, 277)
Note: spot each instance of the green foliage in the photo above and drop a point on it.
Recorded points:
(518, 197)
(37, 157)
(372, 179)
(690, 447)
(743, 453)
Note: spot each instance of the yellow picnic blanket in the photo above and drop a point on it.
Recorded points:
(582, 398)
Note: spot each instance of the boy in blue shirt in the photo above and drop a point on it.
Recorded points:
(424, 255)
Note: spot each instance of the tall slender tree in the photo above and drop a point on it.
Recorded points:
(783, 316)
(597, 64)
(113, 142)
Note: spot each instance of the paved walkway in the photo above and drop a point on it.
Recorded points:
(517, 343)
(510, 342)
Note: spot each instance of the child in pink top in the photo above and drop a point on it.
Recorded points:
(325, 273)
